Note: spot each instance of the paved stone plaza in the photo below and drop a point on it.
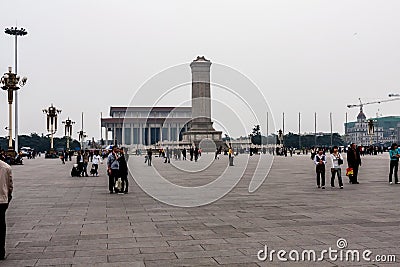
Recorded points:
(58, 220)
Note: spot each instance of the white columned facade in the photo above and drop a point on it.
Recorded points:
(140, 134)
(123, 134)
(106, 134)
(148, 135)
(114, 134)
(132, 136)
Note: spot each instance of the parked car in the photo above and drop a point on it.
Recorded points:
(24, 151)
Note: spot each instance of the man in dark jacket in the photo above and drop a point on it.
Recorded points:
(353, 161)
(79, 161)
(113, 169)
(320, 162)
(149, 156)
(123, 171)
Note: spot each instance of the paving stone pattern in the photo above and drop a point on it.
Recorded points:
(57, 220)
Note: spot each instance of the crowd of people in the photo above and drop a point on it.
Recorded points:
(336, 161)
(117, 169)
(174, 153)
(82, 161)
(194, 153)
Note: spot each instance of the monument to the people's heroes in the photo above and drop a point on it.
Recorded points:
(201, 125)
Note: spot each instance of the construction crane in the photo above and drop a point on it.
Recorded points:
(394, 95)
(361, 105)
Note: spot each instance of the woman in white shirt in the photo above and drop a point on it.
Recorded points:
(337, 160)
(95, 162)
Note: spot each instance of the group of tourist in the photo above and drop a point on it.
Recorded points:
(336, 160)
(117, 170)
(83, 159)
(9, 159)
(354, 155)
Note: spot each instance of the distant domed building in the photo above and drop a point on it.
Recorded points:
(385, 130)
(361, 116)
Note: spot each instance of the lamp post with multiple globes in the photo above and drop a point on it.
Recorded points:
(11, 83)
(52, 114)
(14, 31)
(68, 130)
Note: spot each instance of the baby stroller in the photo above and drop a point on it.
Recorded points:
(75, 171)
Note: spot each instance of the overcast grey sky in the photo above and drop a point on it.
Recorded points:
(305, 56)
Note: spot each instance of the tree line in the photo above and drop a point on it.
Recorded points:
(41, 143)
(292, 139)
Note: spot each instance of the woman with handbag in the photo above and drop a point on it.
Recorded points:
(337, 160)
(394, 163)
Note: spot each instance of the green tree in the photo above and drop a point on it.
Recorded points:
(40, 143)
(256, 135)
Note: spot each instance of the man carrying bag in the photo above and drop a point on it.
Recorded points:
(353, 162)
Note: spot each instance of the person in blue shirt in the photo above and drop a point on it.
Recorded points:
(394, 163)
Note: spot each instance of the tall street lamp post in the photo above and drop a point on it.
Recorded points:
(10, 82)
(52, 114)
(280, 138)
(68, 130)
(82, 135)
(16, 32)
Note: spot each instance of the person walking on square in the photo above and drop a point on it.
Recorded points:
(167, 155)
(191, 152)
(79, 161)
(123, 171)
(96, 160)
(231, 155)
(337, 160)
(216, 156)
(62, 157)
(184, 153)
(112, 168)
(320, 161)
(354, 162)
(6, 189)
(196, 153)
(85, 164)
(149, 156)
(394, 163)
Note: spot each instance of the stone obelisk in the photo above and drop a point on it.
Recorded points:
(201, 124)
